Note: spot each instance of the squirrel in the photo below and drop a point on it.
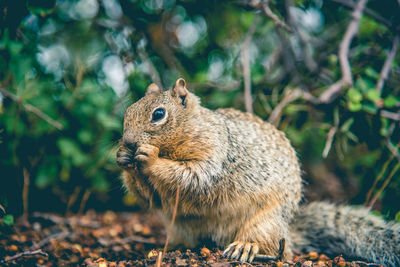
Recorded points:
(240, 183)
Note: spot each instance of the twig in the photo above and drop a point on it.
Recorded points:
(264, 5)
(304, 38)
(159, 259)
(388, 62)
(329, 141)
(261, 257)
(289, 97)
(344, 46)
(385, 184)
(32, 109)
(138, 239)
(369, 12)
(72, 199)
(171, 225)
(246, 66)
(25, 193)
(2, 209)
(79, 78)
(330, 94)
(393, 149)
(363, 263)
(73, 222)
(173, 217)
(60, 235)
(390, 115)
(85, 198)
(273, 59)
(377, 179)
(24, 254)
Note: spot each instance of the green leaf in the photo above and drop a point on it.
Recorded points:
(333, 59)
(85, 136)
(370, 108)
(352, 136)
(370, 72)
(46, 176)
(346, 125)
(355, 106)
(108, 122)
(336, 116)
(364, 84)
(390, 101)
(397, 217)
(385, 125)
(15, 47)
(8, 220)
(373, 95)
(71, 150)
(354, 95)
(100, 183)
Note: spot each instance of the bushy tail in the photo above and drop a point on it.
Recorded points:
(348, 230)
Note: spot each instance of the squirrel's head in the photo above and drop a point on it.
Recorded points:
(159, 118)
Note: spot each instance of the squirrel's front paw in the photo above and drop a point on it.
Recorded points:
(146, 155)
(242, 251)
(124, 158)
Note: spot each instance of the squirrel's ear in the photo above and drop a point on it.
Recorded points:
(180, 90)
(152, 88)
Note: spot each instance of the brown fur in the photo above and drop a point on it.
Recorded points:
(239, 176)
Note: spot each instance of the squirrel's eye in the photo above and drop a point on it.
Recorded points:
(158, 114)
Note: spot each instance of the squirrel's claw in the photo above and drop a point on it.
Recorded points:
(124, 158)
(228, 251)
(244, 251)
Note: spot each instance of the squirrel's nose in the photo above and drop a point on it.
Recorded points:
(129, 141)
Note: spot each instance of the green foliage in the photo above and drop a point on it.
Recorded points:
(8, 220)
(397, 218)
(73, 67)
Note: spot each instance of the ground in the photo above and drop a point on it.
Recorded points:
(115, 239)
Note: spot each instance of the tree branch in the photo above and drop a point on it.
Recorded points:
(344, 46)
(331, 93)
(264, 5)
(246, 66)
(32, 109)
(329, 141)
(367, 11)
(390, 115)
(289, 97)
(388, 62)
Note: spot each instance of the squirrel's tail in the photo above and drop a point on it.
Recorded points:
(351, 231)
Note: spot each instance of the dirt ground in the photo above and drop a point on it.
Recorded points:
(115, 239)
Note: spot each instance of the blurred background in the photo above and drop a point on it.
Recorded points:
(69, 69)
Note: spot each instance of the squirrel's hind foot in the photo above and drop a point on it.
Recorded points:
(242, 251)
